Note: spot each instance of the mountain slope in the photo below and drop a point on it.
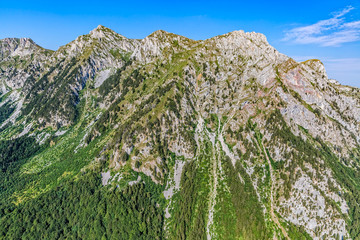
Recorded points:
(224, 138)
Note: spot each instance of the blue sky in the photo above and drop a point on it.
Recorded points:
(327, 30)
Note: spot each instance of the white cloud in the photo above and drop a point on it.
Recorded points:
(330, 32)
(354, 25)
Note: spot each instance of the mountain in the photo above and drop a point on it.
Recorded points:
(168, 137)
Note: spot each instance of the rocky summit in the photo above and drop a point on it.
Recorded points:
(171, 138)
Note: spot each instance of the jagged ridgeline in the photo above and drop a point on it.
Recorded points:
(171, 138)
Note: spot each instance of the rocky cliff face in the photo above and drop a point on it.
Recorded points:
(20, 59)
(256, 144)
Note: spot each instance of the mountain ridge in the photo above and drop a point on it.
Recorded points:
(231, 138)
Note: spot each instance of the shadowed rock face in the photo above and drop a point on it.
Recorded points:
(228, 123)
(20, 58)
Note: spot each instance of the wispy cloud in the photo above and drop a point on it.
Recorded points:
(330, 32)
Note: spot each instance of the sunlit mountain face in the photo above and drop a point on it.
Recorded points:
(167, 137)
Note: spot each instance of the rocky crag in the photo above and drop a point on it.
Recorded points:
(235, 140)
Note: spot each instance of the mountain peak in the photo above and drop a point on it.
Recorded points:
(162, 33)
(17, 46)
(241, 34)
(159, 32)
(153, 118)
(101, 31)
(164, 36)
(100, 26)
(20, 41)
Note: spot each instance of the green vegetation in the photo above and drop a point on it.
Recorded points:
(5, 111)
(15, 150)
(348, 177)
(238, 214)
(302, 151)
(14, 153)
(296, 232)
(83, 209)
(190, 212)
(117, 53)
(310, 151)
(247, 221)
(46, 93)
(143, 119)
(113, 83)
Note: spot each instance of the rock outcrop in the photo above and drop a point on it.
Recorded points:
(228, 123)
